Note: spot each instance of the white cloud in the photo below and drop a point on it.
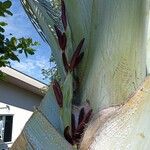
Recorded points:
(32, 67)
(26, 66)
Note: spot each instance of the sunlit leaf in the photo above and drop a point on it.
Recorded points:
(7, 4)
(3, 23)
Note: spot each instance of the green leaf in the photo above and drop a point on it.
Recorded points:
(7, 4)
(2, 75)
(30, 51)
(67, 97)
(3, 61)
(14, 57)
(13, 41)
(35, 44)
(9, 12)
(2, 30)
(3, 23)
(25, 53)
(2, 37)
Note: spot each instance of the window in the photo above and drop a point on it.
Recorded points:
(6, 122)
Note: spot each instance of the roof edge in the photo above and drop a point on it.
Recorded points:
(24, 81)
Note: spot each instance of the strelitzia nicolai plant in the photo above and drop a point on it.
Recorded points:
(100, 49)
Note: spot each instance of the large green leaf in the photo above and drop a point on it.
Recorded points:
(67, 100)
(7, 4)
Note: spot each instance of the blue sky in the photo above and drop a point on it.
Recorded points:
(20, 26)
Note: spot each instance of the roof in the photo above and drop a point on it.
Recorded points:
(24, 81)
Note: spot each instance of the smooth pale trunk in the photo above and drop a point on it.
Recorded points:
(116, 61)
(148, 44)
(114, 64)
(123, 127)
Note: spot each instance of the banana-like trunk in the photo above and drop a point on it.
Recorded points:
(114, 63)
(124, 127)
(113, 67)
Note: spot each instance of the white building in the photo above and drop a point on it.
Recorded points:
(19, 94)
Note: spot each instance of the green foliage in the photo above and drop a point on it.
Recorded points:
(52, 72)
(2, 75)
(4, 6)
(10, 48)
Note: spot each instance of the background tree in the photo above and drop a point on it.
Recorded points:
(112, 37)
(52, 72)
(10, 48)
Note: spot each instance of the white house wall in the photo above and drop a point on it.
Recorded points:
(21, 103)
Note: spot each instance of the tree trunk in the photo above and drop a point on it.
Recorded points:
(114, 64)
(113, 67)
